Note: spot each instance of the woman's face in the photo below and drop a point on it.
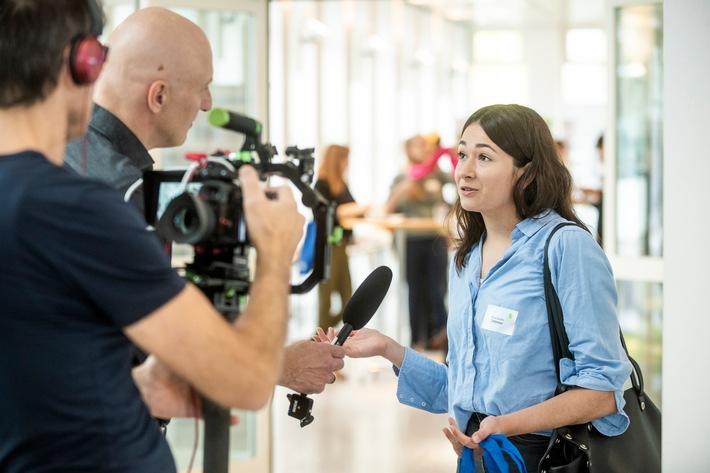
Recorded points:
(485, 175)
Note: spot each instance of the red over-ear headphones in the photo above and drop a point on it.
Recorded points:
(87, 54)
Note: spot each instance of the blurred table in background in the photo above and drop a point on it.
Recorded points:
(398, 224)
(395, 222)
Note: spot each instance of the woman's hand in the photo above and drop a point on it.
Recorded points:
(489, 426)
(459, 440)
(366, 343)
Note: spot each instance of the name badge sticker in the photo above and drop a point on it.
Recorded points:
(499, 320)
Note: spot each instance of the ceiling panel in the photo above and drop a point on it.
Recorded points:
(520, 13)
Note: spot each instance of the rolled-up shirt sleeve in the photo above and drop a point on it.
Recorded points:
(587, 293)
(613, 424)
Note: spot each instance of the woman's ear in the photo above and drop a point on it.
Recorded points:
(157, 95)
(521, 170)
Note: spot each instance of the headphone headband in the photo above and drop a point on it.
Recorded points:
(97, 21)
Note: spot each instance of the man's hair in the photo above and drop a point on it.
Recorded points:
(34, 37)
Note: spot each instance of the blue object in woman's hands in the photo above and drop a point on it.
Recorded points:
(494, 446)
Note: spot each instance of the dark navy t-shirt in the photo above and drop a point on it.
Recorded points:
(76, 266)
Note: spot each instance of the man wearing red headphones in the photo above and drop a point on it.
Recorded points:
(82, 279)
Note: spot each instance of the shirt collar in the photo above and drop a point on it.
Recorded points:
(532, 225)
(121, 137)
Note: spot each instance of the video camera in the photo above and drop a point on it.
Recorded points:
(202, 206)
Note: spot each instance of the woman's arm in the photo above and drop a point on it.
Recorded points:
(351, 210)
(576, 406)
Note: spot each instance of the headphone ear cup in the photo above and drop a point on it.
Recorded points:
(86, 60)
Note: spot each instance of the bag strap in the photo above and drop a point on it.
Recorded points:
(558, 334)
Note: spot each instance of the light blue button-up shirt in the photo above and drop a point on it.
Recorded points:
(498, 366)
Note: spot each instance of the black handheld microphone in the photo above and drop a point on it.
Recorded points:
(234, 122)
(364, 302)
(357, 313)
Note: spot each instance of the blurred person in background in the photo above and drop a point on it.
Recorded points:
(332, 185)
(417, 194)
(587, 196)
(594, 197)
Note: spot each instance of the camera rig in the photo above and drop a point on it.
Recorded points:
(204, 209)
(202, 206)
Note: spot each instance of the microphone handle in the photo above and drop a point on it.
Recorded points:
(343, 334)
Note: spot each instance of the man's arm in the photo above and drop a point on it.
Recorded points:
(307, 367)
(234, 365)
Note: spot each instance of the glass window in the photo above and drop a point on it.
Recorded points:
(498, 46)
(499, 83)
(639, 130)
(232, 35)
(641, 318)
(586, 45)
(583, 84)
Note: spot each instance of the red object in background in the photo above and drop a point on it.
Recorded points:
(195, 156)
(420, 170)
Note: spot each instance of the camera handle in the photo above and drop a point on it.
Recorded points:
(225, 283)
(323, 214)
(216, 450)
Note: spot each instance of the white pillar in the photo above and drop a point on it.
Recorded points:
(686, 324)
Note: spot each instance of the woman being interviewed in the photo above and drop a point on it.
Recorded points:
(500, 374)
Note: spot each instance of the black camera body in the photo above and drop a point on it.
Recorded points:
(212, 215)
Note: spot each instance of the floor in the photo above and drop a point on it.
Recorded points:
(359, 427)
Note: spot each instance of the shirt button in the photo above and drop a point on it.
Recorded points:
(411, 399)
(423, 404)
(401, 396)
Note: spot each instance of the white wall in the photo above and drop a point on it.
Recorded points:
(686, 331)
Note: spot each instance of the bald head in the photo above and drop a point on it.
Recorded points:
(156, 58)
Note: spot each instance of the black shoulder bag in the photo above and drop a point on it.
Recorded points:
(581, 448)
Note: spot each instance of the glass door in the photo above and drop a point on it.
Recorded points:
(633, 150)
(237, 31)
